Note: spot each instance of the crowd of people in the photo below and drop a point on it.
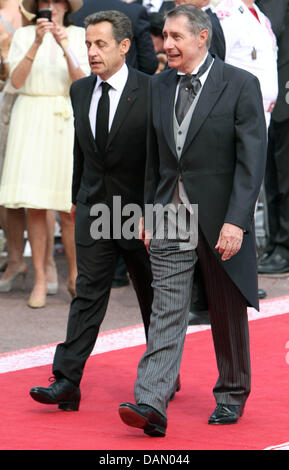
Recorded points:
(32, 194)
(76, 89)
(36, 176)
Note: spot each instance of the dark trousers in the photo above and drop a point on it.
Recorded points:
(230, 330)
(158, 369)
(96, 267)
(277, 187)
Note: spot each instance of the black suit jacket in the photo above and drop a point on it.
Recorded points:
(141, 54)
(222, 162)
(96, 179)
(218, 44)
(279, 17)
(165, 6)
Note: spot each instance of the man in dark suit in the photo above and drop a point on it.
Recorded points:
(199, 314)
(109, 162)
(141, 54)
(275, 259)
(206, 146)
(153, 6)
(218, 44)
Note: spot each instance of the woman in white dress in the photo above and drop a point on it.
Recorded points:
(10, 20)
(44, 59)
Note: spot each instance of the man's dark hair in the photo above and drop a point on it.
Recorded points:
(121, 24)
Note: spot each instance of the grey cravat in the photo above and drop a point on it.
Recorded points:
(189, 87)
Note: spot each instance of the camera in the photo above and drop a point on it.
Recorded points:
(45, 13)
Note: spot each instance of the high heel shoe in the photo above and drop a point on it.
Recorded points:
(51, 288)
(52, 279)
(6, 284)
(34, 302)
(37, 300)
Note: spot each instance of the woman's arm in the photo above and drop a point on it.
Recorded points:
(73, 65)
(21, 72)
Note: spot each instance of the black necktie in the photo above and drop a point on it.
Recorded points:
(102, 118)
(189, 87)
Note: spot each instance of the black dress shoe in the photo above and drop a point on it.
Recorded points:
(61, 392)
(265, 255)
(144, 417)
(226, 414)
(199, 318)
(262, 294)
(274, 264)
(177, 388)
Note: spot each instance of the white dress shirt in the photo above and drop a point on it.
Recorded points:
(117, 83)
(207, 7)
(202, 78)
(152, 5)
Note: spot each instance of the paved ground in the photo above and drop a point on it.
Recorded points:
(22, 327)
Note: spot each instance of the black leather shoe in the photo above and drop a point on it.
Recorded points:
(61, 392)
(265, 255)
(199, 318)
(177, 388)
(226, 414)
(274, 264)
(144, 417)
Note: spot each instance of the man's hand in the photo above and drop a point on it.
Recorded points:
(144, 235)
(230, 240)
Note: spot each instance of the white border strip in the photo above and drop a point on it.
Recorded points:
(284, 446)
(120, 339)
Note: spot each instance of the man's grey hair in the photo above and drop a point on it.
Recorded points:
(121, 24)
(198, 19)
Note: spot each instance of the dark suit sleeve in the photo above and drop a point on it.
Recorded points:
(218, 44)
(77, 168)
(251, 149)
(152, 162)
(77, 159)
(147, 61)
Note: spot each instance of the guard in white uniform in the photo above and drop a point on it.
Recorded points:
(251, 45)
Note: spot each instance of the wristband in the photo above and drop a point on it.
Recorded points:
(29, 57)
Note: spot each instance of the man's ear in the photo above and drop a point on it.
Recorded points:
(124, 46)
(203, 36)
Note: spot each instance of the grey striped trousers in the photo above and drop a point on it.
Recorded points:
(158, 369)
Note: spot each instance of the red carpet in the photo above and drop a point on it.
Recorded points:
(109, 379)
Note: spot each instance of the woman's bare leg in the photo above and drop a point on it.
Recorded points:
(37, 232)
(67, 233)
